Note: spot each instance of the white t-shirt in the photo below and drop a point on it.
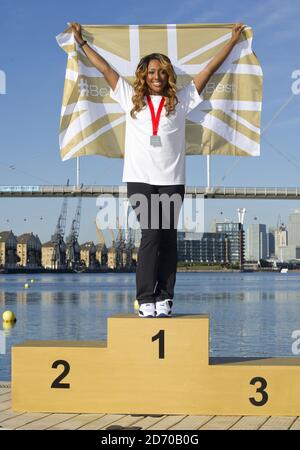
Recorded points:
(143, 162)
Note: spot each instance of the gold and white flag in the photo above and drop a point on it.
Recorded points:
(227, 122)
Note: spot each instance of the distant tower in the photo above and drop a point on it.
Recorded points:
(256, 242)
(294, 228)
(281, 239)
(241, 215)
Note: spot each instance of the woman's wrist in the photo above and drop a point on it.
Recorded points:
(233, 42)
(80, 41)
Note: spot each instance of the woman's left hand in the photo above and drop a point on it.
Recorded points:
(236, 32)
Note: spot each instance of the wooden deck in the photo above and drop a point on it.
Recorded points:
(10, 420)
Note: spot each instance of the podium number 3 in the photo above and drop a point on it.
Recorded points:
(57, 382)
(160, 336)
(260, 390)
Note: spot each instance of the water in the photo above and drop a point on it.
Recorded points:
(251, 314)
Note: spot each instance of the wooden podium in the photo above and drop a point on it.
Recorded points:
(150, 366)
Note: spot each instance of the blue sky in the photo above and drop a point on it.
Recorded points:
(35, 67)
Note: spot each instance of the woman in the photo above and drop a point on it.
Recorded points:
(154, 161)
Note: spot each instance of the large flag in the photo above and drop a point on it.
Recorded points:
(227, 122)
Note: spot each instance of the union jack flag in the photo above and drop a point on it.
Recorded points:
(227, 122)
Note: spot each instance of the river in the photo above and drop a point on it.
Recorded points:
(251, 314)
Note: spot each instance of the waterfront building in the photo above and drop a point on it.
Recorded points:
(54, 251)
(134, 255)
(101, 255)
(47, 255)
(271, 242)
(127, 260)
(225, 245)
(112, 257)
(281, 242)
(234, 234)
(292, 248)
(294, 228)
(123, 260)
(210, 248)
(29, 251)
(88, 254)
(48, 252)
(8, 250)
(59, 260)
(125, 255)
(256, 242)
(54, 254)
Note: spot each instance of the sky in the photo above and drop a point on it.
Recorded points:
(34, 67)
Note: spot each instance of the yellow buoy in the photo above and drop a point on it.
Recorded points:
(8, 325)
(136, 305)
(8, 316)
(32, 280)
(26, 285)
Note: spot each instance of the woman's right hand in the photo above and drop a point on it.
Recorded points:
(110, 75)
(76, 28)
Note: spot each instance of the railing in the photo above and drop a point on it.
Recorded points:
(279, 193)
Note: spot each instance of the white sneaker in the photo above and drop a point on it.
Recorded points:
(164, 308)
(147, 310)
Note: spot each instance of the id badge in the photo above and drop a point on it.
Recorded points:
(155, 141)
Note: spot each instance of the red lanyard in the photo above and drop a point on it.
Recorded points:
(155, 119)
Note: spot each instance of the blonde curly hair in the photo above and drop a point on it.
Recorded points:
(141, 88)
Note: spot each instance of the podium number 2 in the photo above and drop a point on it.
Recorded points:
(260, 390)
(57, 382)
(160, 336)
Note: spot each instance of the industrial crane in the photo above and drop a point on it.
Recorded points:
(125, 246)
(112, 235)
(73, 248)
(58, 259)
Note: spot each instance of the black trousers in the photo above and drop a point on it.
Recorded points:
(157, 257)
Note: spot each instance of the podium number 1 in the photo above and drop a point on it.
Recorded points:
(160, 336)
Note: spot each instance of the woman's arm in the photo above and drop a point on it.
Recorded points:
(110, 75)
(202, 78)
